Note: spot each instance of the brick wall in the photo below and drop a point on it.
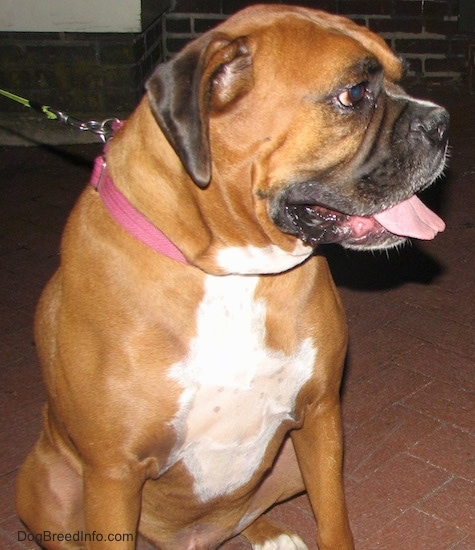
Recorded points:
(424, 32)
(104, 73)
(90, 73)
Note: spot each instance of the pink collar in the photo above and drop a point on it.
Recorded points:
(128, 217)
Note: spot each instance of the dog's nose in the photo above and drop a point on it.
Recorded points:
(434, 124)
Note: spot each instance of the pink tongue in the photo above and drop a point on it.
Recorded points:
(411, 218)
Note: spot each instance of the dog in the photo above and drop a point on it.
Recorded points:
(192, 340)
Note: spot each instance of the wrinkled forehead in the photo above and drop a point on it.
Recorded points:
(305, 44)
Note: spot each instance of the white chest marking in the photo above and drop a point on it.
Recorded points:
(253, 260)
(236, 391)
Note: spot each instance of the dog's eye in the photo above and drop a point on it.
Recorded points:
(352, 95)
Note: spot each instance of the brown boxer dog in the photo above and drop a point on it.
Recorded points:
(193, 385)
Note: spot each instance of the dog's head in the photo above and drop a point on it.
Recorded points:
(296, 117)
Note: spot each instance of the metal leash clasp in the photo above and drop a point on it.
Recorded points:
(104, 129)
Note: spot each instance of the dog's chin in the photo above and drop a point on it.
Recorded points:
(316, 224)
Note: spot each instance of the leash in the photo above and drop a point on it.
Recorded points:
(103, 129)
(115, 202)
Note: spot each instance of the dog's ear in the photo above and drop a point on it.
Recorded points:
(208, 75)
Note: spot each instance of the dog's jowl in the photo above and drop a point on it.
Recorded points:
(192, 341)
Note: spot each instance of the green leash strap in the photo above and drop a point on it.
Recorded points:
(103, 129)
(45, 109)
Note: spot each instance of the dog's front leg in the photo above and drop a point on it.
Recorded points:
(112, 501)
(319, 449)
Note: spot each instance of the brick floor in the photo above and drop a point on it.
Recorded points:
(408, 394)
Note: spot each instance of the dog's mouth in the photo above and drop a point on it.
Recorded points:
(317, 224)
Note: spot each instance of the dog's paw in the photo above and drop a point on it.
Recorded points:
(263, 534)
(282, 542)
